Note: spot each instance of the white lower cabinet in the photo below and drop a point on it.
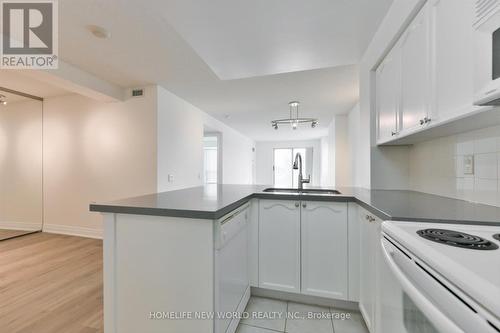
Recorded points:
(279, 245)
(303, 247)
(253, 243)
(369, 248)
(324, 249)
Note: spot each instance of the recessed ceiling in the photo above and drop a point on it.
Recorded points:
(252, 103)
(12, 98)
(241, 38)
(16, 80)
(170, 43)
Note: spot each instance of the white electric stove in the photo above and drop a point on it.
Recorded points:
(439, 278)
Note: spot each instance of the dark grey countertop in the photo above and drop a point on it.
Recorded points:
(215, 201)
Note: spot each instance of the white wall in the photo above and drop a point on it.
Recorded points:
(330, 180)
(381, 167)
(180, 142)
(356, 158)
(264, 159)
(337, 152)
(343, 168)
(180, 145)
(95, 151)
(238, 153)
(325, 162)
(436, 166)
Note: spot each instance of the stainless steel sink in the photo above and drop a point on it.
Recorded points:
(320, 191)
(303, 191)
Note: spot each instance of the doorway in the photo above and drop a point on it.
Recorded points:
(212, 158)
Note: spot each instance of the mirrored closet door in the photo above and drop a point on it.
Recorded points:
(21, 198)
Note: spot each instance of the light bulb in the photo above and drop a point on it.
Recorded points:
(294, 125)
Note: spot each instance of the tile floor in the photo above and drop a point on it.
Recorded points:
(271, 316)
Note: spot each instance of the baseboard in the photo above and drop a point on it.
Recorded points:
(305, 299)
(73, 230)
(28, 226)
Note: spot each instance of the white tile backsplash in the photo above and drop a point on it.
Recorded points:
(437, 167)
(486, 191)
(485, 140)
(464, 144)
(465, 188)
(485, 166)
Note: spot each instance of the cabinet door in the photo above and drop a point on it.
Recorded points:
(453, 61)
(388, 84)
(353, 255)
(279, 245)
(253, 243)
(415, 72)
(368, 235)
(324, 249)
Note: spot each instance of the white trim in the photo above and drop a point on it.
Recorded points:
(305, 299)
(73, 230)
(13, 225)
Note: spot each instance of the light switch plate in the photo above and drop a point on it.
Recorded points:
(468, 164)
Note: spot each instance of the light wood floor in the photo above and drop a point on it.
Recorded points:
(7, 233)
(51, 283)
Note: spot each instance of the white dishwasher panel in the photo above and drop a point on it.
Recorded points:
(232, 281)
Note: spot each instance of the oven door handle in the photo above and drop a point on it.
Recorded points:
(433, 314)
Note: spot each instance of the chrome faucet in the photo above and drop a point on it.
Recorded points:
(297, 165)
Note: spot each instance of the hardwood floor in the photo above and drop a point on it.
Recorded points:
(51, 283)
(7, 233)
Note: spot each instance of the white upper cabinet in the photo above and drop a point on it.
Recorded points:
(415, 72)
(453, 60)
(388, 85)
(427, 79)
(324, 249)
(279, 245)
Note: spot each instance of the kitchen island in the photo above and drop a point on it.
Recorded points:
(214, 201)
(165, 269)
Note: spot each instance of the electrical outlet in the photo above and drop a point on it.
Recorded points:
(170, 178)
(468, 164)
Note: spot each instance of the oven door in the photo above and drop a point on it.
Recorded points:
(415, 298)
(403, 308)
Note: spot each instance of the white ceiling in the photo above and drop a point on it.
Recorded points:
(279, 51)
